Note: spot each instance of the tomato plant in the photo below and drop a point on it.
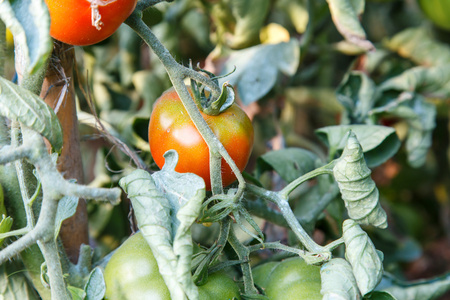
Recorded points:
(132, 273)
(87, 22)
(289, 279)
(171, 128)
(438, 11)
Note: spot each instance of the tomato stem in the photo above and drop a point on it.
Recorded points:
(243, 254)
(326, 169)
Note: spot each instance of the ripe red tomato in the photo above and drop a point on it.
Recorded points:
(72, 20)
(172, 128)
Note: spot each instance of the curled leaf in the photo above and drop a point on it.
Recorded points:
(166, 204)
(366, 262)
(358, 190)
(338, 281)
(415, 290)
(345, 17)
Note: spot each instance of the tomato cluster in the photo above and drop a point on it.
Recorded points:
(172, 128)
(87, 22)
(132, 273)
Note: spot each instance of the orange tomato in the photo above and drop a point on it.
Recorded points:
(87, 22)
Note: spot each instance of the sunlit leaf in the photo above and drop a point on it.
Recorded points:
(358, 190)
(29, 22)
(258, 67)
(166, 204)
(297, 11)
(379, 143)
(5, 226)
(250, 16)
(345, 15)
(76, 293)
(19, 104)
(418, 45)
(338, 281)
(434, 81)
(361, 253)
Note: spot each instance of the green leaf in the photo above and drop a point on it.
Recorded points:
(95, 286)
(357, 93)
(420, 116)
(2, 202)
(434, 81)
(379, 143)
(345, 14)
(366, 263)
(258, 67)
(297, 11)
(289, 163)
(14, 285)
(29, 22)
(338, 281)
(67, 207)
(416, 290)
(418, 45)
(250, 16)
(166, 204)
(380, 295)
(5, 226)
(19, 104)
(76, 293)
(358, 190)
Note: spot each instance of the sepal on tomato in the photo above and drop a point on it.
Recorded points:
(204, 99)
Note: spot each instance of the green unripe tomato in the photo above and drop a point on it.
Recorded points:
(289, 279)
(438, 11)
(132, 274)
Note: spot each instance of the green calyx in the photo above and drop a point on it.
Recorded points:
(206, 102)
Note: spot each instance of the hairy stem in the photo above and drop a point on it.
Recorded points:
(243, 254)
(289, 216)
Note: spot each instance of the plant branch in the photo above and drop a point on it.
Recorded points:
(10, 154)
(290, 218)
(276, 246)
(243, 255)
(55, 274)
(326, 169)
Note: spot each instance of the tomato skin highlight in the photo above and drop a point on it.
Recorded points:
(171, 128)
(133, 274)
(71, 20)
